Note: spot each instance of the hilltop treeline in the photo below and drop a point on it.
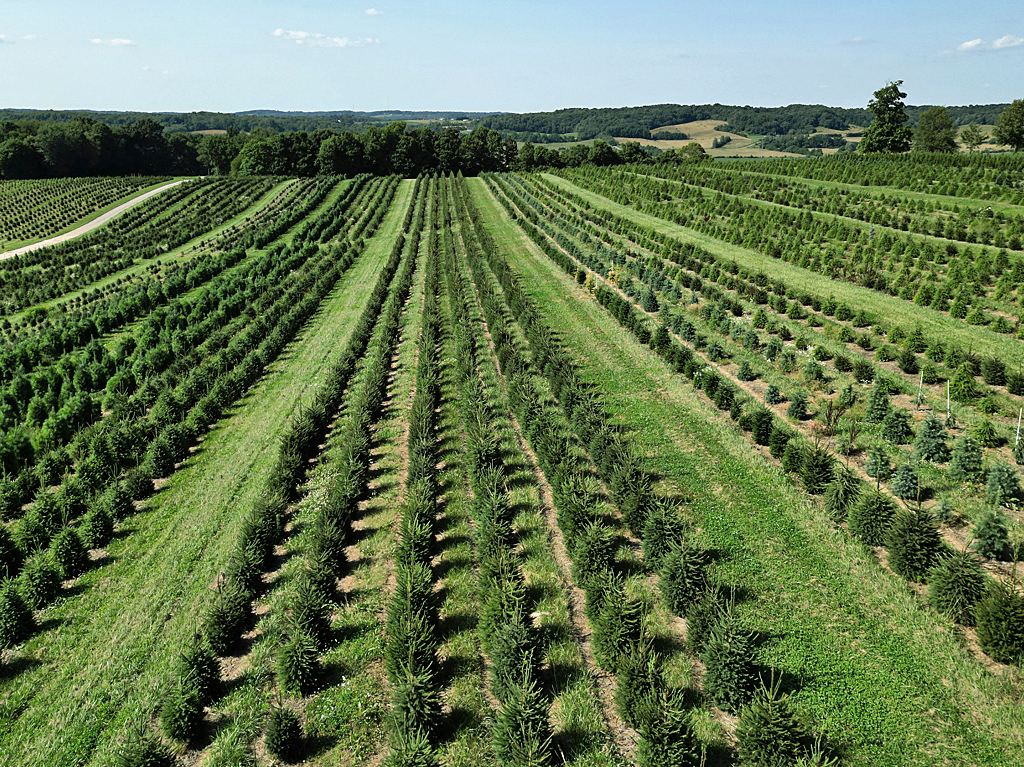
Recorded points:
(638, 122)
(87, 147)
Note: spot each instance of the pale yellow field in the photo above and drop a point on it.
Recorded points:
(704, 133)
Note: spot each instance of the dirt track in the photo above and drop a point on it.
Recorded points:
(94, 224)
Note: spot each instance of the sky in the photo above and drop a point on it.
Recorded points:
(511, 56)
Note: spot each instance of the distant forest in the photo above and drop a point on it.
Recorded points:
(637, 122)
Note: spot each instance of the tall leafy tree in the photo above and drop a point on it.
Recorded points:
(935, 131)
(887, 132)
(1010, 128)
(972, 136)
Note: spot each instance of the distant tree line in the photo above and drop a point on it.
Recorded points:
(87, 147)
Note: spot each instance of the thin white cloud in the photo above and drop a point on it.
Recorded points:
(117, 42)
(971, 45)
(317, 40)
(6, 39)
(1008, 41)
(374, 12)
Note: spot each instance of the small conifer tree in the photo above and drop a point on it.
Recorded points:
(930, 444)
(69, 555)
(683, 578)
(816, 469)
(772, 395)
(1000, 620)
(966, 463)
(914, 544)
(878, 403)
(522, 733)
(298, 664)
(877, 465)
(896, 427)
(962, 387)
(16, 621)
(701, 619)
(666, 738)
(991, 535)
(730, 673)
(905, 483)
(1002, 485)
(39, 581)
(955, 585)
(769, 732)
(664, 529)
(871, 516)
(10, 555)
(797, 406)
(984, 433)
(842, 493)
(746, 372)
(283, 736)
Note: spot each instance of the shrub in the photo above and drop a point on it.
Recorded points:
(966, 462)
(842, 492)
(870, 518)
(39, 581)
(298, 664)
(1002, 486)
(768, 732)
(955, 586)
(896, 427)
(16, 621)
(991, 535)
(683, 578)
(930, 444)
(283, 737)
(914, 544)
(730, 673)
(69, 555)
(1000, 619)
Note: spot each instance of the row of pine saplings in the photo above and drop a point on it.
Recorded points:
(576, 445)
(50, 543)
(957, 584)
(346, 402)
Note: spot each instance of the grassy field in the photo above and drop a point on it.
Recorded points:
(104, 651)
(890, 683)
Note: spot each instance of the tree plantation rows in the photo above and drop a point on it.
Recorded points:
(524, 469)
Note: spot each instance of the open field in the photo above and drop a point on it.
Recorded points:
(585, 467)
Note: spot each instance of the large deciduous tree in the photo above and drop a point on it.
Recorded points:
(887, 132)
(935, 131)
(1010, 128)
(972, 136)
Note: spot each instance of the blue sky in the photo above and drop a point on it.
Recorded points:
(515, 55)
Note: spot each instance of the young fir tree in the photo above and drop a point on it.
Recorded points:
(666, 738)
(1018, 452)
(966, 463)
(730, 672)
(956, 585)
(914, 544)
(1000, 620)
(985, 434)
(298, 664)
(798, 406)
(842, 492)
(877, 465)
(522, 733)
(769, 732)
(962, 387)
(664, 529)
(896, 427)
(905, 483)
(871, 517)
(683, 578)
(816, 469)
(992, 536)
(878, 403)
(16, 621)
(930, 444)
(746, 372)
(283, 736)
(772, 395)
(639, 677)
(1002, 485)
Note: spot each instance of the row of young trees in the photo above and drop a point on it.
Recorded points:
(916, 550)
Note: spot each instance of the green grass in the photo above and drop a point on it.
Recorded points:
(102, 656)
(886, 679)
(905, 313)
